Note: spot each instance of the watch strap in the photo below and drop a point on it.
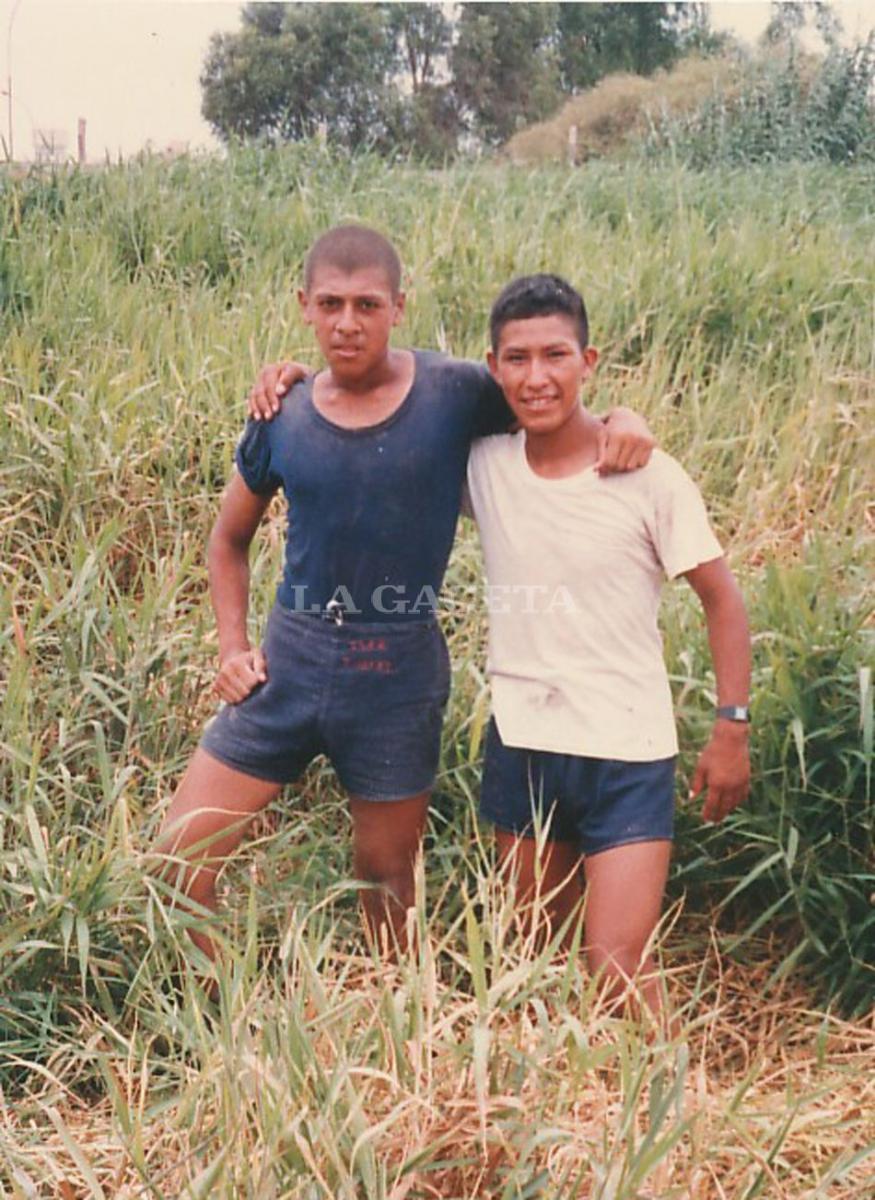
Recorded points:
(734, 712)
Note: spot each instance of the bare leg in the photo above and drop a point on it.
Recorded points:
(205, 824)
(556, 877)
(387, 837)
(624, 899)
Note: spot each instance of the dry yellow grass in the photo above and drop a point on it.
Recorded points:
(768, 1090)
(617, 110)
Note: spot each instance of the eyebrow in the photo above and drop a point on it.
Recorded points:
(327, 294)
(521, 348)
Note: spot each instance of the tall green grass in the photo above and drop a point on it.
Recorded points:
(780, 105)
(735, 311)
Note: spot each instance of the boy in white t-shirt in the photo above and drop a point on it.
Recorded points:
(583, 733)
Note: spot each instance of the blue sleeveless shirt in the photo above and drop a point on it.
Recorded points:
(372, 512)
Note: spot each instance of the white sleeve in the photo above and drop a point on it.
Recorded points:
(681, 532)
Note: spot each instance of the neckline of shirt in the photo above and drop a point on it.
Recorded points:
(364, 430)
(587, 475)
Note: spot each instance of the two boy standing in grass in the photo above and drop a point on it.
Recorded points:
(372, 456)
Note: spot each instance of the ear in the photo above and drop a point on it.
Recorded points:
(400, 302)
(492, 364)
(303, 301)
(590, 358)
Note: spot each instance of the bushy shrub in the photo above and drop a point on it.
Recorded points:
(780, 106)
(618, 111)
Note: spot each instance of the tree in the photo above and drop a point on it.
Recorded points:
(785, 23)
(504, 71)
(788, 19)
(595, 39)
(266, 18)
(430, 122)
(695, 34)
(296, 68)
(391, 75)
(422, 34)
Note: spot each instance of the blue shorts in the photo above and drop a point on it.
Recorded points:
(597, 803)
(369, 696)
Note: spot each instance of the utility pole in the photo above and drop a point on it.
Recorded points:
(81, 142)
(10, 146)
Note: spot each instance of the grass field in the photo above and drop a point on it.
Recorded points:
(735, 310)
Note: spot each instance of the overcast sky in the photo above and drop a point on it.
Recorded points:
(131, 67)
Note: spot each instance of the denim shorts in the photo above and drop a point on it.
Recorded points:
(597, 803)
(370, 697)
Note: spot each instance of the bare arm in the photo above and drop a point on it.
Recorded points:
(723, 769)
(240, 667)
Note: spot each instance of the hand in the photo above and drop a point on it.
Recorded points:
(625, 442)
(273, 382)
(723, 770)
(240, 673)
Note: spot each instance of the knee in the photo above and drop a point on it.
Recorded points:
(383, 868)
(384, 857)
(390, 868)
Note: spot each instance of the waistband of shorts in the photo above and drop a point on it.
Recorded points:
(318, 626)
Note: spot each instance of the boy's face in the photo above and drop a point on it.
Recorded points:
(352, 314)
(540, 366)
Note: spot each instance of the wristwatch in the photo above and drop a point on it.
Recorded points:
(734, 712)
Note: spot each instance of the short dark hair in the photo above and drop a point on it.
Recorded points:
(351, 247)
(538, 296)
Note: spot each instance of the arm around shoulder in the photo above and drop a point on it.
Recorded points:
(625, 442)
(273, 382)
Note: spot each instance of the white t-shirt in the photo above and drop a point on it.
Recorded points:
(574, 569)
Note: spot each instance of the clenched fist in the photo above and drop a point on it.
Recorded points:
(239, 674)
